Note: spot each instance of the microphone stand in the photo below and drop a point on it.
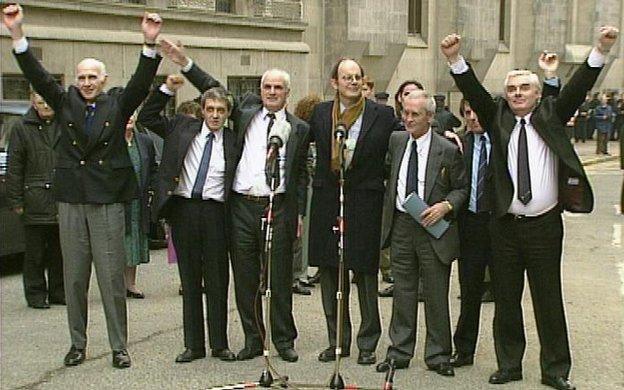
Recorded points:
(336, 381)
(266, 378)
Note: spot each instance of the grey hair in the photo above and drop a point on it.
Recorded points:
(278, 72)
(216, 93)
(533, 78)
(430, 104)
(98, 64)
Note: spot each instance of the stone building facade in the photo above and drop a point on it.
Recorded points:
(395, 40)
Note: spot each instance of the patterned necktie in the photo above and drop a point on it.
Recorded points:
(271, 116)
(202, 173)
(89, 115)
(524, 176)
(412, 171)
(481, 170)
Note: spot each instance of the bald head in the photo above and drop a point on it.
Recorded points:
(90, 78)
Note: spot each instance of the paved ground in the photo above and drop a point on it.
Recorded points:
(33, 343)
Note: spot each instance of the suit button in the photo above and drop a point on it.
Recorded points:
(106, 124)
(26, 187)
(82, 162)
(100, 162)
(40, 127)
(105, 143)
(74, 143)
(47, 186)
(176, 179)
(169, 193)
(70, 124)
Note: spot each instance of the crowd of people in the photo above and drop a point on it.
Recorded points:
(492, 199)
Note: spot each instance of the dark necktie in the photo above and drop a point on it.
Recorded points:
(412, 171)
(202, 173)
(271, 117)
(524, 176)
(481, 170)
(89, 115)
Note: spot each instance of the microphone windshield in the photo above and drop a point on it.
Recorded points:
(279, 133)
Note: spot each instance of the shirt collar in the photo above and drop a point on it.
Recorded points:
(279, 115)
(423, 140)
(527, 118)
(205, 131)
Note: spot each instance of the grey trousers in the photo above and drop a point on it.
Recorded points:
(94, 233)
(413, 259)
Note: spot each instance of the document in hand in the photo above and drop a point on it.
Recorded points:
(414, 205)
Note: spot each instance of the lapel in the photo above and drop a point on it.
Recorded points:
(291, 145)
(434, 160)
(469, 153)
(508, 122)
(229, 148)
(397, 157)
(368, 118)
(245, 120)
(100, 122)
(186, 137)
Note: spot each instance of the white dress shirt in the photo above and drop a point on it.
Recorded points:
(215, 179)
(250, 176)
(543, 169)
(422, 149)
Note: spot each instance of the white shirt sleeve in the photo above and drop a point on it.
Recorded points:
(164, 89)
(21, 45)
(596, 59)
(552, 81)
(460, 66)
(149, 52)
(188, 66)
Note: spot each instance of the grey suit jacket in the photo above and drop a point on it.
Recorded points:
(445, 179)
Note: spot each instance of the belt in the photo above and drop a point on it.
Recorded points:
(526, 218)
(258, 199)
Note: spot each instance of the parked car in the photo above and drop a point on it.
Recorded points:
(11, 228)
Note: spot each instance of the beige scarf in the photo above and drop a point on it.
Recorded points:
(347, 118)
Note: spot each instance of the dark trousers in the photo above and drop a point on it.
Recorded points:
(198, 233)
(602, 142)
(247, 260)
(531, 245)
(475, 256)
(414, 260)
(370, 326)
(580, 130)
(43, 251)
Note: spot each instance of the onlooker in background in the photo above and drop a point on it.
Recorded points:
(368, 87)
(604, 124)
(404, 89)
(591, 122)
(618, 126)
(581, 119)
(142, 154)
(446, 120)
(29, 190)
(301, 284)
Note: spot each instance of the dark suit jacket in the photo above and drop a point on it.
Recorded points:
(445, 179)
(364, 188)
(95, 168)
(148, 180)
(548, 119)
(178, 134)
(296, 148)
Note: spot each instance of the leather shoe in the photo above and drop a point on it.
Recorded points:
(298, 288)
(315, 279)
(444, 369)
(224, 354)
(121, 359)
(398, 365)
(558, 382)
(387, 292)
(366, 358)
(135, 294)
(189, 355)
(288, 355)
(57, 301)
(248, 353)
(460, 359)
(39, 305)
(74, 357)
(388, 279)
(329, 354)
(505, 375)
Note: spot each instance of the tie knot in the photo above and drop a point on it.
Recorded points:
(482, 138)
(210, 135)
(271, 115)
(522, 122)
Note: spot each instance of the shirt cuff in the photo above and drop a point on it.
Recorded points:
(460, 66)
(188, 66)
(20, 46)
(596, 59)
(149, 52)
(552, 81)
(164, 89)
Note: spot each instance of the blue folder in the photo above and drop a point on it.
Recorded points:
(414, 206)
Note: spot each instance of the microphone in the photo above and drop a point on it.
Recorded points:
(278, 137)
(340, 132)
